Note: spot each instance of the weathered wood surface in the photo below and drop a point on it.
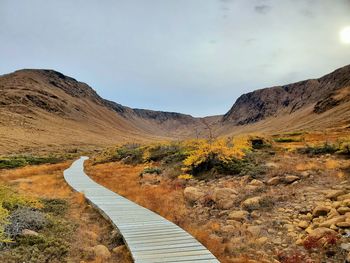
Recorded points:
(150, 237)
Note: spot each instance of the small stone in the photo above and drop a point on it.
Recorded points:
(273, 181)
(254, 230)
(321, 232)
(28, 232)
(102, 252)
(256, 182)
(261, 240)
(255, 214)
(343, 210)
(333, 194)
(290, 179)
(333, 221)
(119, 250)
(224, 197)
(343, 224)
(303, 224)
(345, 246)
(321, 211)
(299, 242)
(343, 197)
(346, 202)
(252, 203)
(305, 174)
(240, 215)
(192, 194)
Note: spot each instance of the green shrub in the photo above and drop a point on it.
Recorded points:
(326, 148)
(159, 152)
(128, 153)
(11, 162)
(54, 206)
(287, 139)
(37, 249)
(151, 170)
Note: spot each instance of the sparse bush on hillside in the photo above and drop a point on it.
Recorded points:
(226, 156)
(18, 212)
(158, 152)
(287, 139)
(222, 155)
(24, 218)
(54, 206)
(151, 170)
(9, 202)
(20, 161)
(326, 148)
(345, 146)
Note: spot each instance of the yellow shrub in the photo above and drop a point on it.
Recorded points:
(185, 176)
(223, 149)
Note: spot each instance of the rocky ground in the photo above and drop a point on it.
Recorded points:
(298, 212)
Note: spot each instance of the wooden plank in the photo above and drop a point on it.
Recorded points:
(149, 237)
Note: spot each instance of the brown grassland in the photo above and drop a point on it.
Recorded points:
(91, 229)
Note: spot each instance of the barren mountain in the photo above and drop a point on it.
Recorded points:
(44, 109)
(314, 97)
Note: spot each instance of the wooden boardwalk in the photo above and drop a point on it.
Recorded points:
(150, 237)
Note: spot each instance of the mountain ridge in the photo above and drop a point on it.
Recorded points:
(46, 107)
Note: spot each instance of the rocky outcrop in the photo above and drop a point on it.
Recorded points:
(325, 93)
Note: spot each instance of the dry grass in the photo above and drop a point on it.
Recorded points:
(165, 199)
(46, 181)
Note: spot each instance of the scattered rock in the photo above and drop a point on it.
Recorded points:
(256, 182)
(290, 179)
(224, 197)
(321, 210)
(333, 194)
(119, 250)
(274, 181)
(254, 230)
(303, 224)
(320, 232)
(102, 252)
(333, 221)
(343, 224)
(343, 210)
(28, 232)
(192, 194)
(343, 197)
(348, 258)
(252, 203)
(240, 215)
(305, 174)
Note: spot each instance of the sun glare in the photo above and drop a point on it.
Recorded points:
(345, 35)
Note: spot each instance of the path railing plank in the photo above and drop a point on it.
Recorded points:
(149, 237)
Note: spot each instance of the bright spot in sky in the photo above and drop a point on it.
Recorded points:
(345, 35)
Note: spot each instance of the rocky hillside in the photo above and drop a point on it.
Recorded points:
(45, 107)
(320, 95)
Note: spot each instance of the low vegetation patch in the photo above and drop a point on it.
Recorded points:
(33, 230)
(287, 139)
(325, 148)
(10, 162)
(194, 158)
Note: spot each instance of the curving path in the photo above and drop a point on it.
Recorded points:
(150, 237)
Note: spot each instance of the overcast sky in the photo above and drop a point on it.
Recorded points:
(190, 56)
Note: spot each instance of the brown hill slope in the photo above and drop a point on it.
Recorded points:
(309, 101)
(45, 107)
